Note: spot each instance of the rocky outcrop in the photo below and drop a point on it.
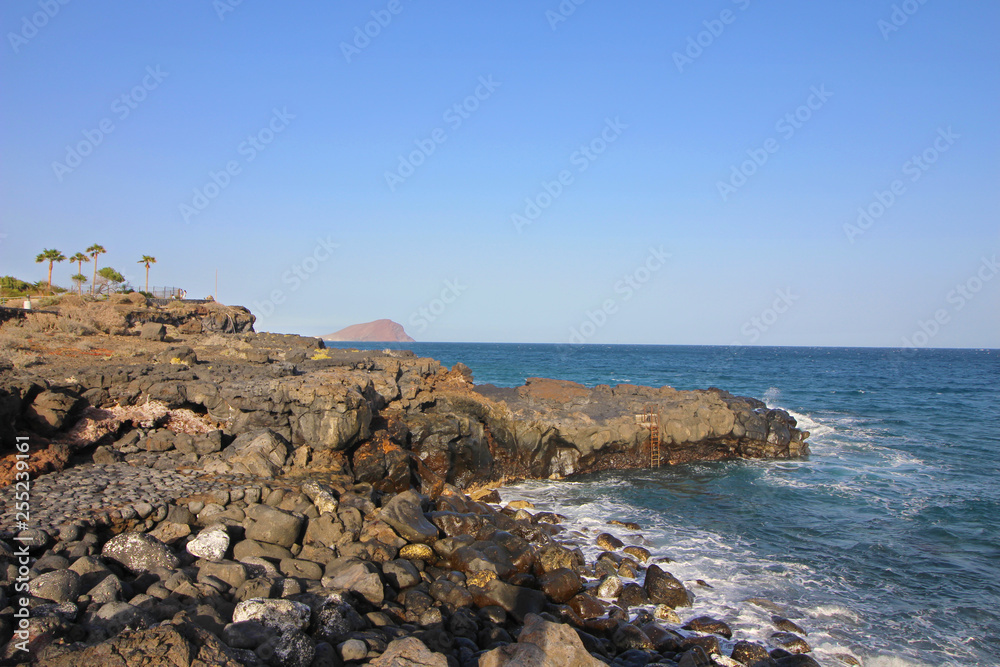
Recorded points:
(379, 331)
(396, 420)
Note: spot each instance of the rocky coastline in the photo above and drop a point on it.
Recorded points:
(201, 494)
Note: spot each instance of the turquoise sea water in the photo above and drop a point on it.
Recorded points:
(884, 543)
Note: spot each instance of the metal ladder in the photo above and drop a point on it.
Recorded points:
(652, 420)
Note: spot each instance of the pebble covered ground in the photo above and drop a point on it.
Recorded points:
(93, 493)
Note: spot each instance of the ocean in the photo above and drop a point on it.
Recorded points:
(884, 544)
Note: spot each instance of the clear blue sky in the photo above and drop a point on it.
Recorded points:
(833, 100)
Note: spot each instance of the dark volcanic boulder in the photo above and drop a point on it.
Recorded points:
(405, 515)
(169, 644)
(663, 588)
(710, 625)
(561, 584)
(50, 409)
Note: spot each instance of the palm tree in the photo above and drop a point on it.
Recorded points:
(94, 251)
(50, 256)
(79, 258)
(147, 260)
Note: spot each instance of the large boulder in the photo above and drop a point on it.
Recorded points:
(405, 515)
(542, 644)
(663, 588)
(49, 410)
(274, 526)
(361, 577)
(58, 586)
(335, 417)
(139, 552)
(261, 453)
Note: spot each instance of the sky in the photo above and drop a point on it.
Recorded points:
(724, 172)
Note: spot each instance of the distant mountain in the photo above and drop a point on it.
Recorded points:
(382, 331)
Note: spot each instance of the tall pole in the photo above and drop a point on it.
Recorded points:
(216, 284)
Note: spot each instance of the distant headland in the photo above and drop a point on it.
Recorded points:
(381, 331)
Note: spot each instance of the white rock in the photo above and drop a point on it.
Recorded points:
(321, 497)
(277, 614)
(210, 544)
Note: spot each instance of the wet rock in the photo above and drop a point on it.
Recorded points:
(632, 595)
(586, 606)
(409, 652)
(609, 542)
(406, 517)
(629, 637)
(749, 653)
(709, 625)
(553, 557)
(666, 613)
(786, 625)
(515, 600)
(542, 643)
(639, 553)
(799, 660)
(663, 588)
(610, 587)
(139, 552)
(790, 642)
(561, 584)
(707, 643)
(450, 594)
(58, 586)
